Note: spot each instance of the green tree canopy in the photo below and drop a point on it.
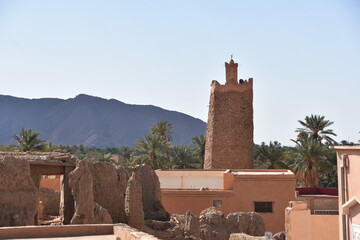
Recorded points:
(184, 157)
(152, 151)
(163, 128)
(29, 140)
(310, 162)
(199, 142)
(316, 127)
(272, 155)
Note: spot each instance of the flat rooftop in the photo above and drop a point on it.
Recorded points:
(263, 172)
(355, 147)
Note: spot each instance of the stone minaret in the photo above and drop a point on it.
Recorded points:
(229, 134)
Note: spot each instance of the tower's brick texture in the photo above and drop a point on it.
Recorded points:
(229, 134)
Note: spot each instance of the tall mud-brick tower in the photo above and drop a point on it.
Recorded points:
(229, 134)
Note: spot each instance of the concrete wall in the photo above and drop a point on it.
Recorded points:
(277, 186)
(300, 224)
(351, 181)
(191, 179)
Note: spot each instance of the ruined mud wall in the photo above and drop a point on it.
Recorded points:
(229, 134)
(151, 193)
(109, 184)
(18, 194)
(87, 211)
(105, 185)
(51, 201)
(96, 190)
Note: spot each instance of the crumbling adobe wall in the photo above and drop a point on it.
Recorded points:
(98, 189)
(51, 201)
(105, 184)
(109, 184)
(133, 203)
(18, 194)
(151, 194)
(229, 134)
(87, 211)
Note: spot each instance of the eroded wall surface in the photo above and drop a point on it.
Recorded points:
(104, 185)
(229, 134)
(109, 184)
(96, 190)
(18, 194)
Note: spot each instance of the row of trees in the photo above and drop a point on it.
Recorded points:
(154, 150)
(310, 159)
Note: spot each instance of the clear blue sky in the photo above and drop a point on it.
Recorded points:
(304, 56)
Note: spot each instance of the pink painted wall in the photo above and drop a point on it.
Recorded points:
(352, 179)
(324, 227)
(301, 225)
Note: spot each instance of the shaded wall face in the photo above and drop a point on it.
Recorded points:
(229, 135)
(277, 190)
(354, 218)
(18, 193)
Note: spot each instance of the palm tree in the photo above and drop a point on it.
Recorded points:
(152, 151)
(315, 127)
(272, 155)
(184, 157)
(310, 162)
(163, 128)
(199, 142)
(29, 140)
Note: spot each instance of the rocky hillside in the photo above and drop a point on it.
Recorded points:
(91, 121)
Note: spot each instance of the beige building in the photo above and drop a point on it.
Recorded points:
(348, 165)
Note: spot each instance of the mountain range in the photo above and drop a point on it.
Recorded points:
(90, 121)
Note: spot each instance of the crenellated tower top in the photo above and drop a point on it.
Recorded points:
(231, 72)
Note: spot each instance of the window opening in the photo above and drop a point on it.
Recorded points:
(263, 206)
(217, 203)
